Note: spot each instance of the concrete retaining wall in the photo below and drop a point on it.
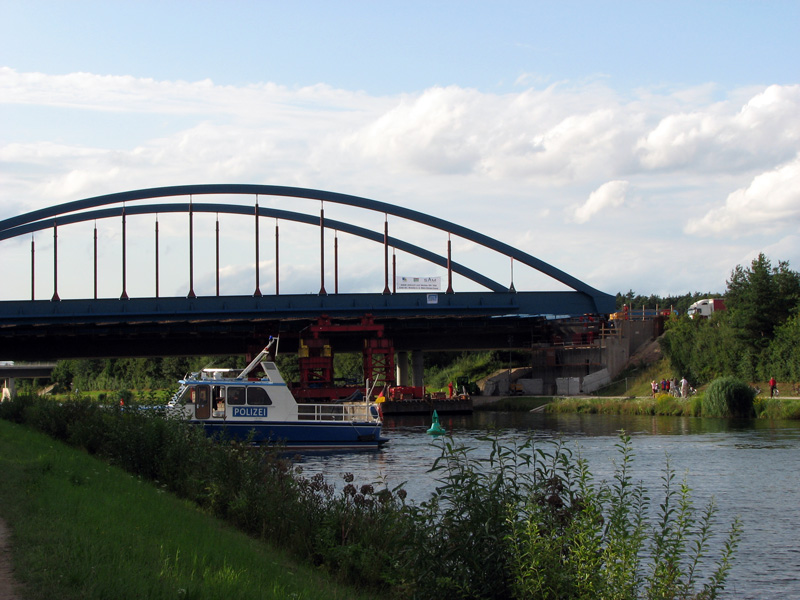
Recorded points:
(595, 381)
(568, 386)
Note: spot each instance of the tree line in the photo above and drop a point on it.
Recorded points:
(132, 373)
(679, 304)
(756, 338)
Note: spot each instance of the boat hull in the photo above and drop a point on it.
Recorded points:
(299, 435)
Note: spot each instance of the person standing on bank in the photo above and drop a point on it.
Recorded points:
(772, 385)
(684, 388)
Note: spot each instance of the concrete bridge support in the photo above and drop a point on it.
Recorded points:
(402, 368)
(9, 389)
(417, 372)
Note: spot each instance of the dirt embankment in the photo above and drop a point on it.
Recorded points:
(646, 355)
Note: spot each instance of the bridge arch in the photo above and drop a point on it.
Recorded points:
(239, 209)
(79, 211)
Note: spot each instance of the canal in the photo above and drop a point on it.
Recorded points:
(749, 467)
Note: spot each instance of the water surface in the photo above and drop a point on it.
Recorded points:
(748, 466)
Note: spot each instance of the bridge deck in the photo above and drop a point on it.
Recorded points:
(228, 325)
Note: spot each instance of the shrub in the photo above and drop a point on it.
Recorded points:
(667, 404)
(15, 409)
(728, 397)
(529, 522)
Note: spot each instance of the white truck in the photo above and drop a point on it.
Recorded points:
(706, 307)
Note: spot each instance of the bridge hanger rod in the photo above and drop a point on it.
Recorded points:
(257, 292)
(310, 194)
(235, 209)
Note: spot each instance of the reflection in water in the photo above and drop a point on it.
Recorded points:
(749, 467)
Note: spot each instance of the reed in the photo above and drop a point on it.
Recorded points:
(728, 397)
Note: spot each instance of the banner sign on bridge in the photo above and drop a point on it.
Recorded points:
(419, 283)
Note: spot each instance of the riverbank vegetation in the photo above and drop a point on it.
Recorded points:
(521, 521)
(662, 404)
(86, 530)
(667, 405)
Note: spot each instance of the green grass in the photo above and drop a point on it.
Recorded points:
(85, 530)
(663, 404)
(473, 365)
(635, 380)
(777, 408)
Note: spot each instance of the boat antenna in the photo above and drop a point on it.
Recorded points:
(258, 359)
(371, 389)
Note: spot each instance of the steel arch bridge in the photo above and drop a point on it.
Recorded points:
(23, 320)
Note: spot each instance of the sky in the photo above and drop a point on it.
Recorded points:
(645, 146)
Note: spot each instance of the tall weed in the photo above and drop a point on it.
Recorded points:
(528, 521)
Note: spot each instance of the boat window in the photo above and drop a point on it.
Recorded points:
(257, 395)
(201, 394)
(187, 395)
(235, 395)
(202, 398)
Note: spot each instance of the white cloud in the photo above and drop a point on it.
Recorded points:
(609, 195)
(553, 135)
(770, 203)
(107, 93)
(765, 130)
(501, 164)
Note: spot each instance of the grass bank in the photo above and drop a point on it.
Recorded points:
(777, 408)
(666, 405)
(85, 530)
(663, 404)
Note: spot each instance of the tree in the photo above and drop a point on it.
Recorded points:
(784, 352)
(761, 298)
(704, 349)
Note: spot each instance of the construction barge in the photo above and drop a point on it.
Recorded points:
(405, 400)
(316, 382)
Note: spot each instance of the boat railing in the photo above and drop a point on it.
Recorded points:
(335, 412)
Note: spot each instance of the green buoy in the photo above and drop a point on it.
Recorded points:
(436, 428)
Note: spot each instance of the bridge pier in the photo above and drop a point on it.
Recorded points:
(417, 377)
(9, 389)
(402, 368)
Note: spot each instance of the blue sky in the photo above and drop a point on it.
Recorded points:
(636, 145)
(396, 47)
